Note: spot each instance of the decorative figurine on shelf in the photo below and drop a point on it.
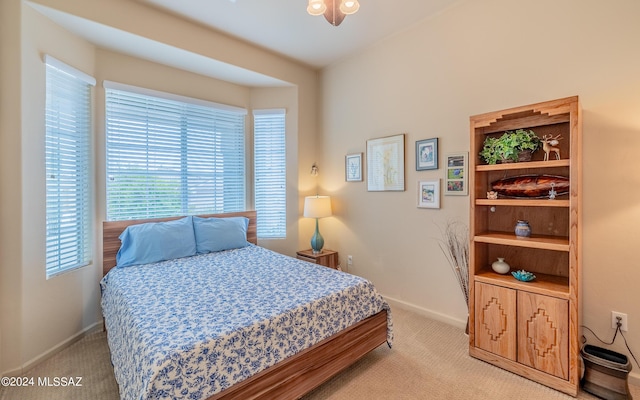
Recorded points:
(549, 144)
(524, 276)
(492, 195)
(552, 192)
(522, 228)
(500, 266)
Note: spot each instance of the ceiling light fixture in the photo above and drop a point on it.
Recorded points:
(333, 10)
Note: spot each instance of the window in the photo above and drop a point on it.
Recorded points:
(68, 168)
(270, 173)
(169, 155)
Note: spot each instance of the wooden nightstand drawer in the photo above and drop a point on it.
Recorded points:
(328, 258)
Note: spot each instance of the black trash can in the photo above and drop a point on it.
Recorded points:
(605, 373)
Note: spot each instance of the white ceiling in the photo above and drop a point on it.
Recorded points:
(285, 27)
(281, 26)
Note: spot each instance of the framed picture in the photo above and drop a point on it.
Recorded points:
(385, 164)
(353, 167)
(427, 154)
(456, 175)
(429, 194)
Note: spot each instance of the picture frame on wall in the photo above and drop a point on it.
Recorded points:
(427, 154)
(429, 194)
(456, 174)
(385, 164)
(353, 167)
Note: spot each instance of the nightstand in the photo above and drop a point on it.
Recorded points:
(328, 258)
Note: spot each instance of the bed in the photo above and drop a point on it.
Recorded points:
(284, 343)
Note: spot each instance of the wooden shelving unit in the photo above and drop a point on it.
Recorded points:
(530, 328)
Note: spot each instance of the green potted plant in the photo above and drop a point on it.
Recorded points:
(512, 146)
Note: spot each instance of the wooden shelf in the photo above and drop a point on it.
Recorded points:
(543, 242)
(523, 165)
(548, 285)
(510, 320)
(523, 202)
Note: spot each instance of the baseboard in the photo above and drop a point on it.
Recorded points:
(53, 351)
(426, 312)
(634, 378)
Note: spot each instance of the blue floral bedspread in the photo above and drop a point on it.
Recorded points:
(192, 327)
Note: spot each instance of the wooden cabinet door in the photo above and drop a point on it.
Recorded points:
(543, 338)
(495, 322)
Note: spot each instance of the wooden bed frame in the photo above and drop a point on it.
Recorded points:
(297, 375)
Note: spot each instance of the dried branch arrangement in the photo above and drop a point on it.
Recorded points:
(455, 246)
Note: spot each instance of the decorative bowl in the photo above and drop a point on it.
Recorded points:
(523, 275)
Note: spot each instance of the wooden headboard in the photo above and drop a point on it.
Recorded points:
(111, 231)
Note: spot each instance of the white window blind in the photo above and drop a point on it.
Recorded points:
(270, 172)
(169, 155)
(68, 168)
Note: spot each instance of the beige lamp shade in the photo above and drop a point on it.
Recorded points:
(317, 206)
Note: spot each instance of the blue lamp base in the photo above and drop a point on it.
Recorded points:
(317, 242)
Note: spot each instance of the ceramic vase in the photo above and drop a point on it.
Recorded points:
(523, 229)
(500, 266)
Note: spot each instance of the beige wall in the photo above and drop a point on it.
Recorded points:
(480, 56)
(39, 315)
(10, 181)
(70, 297)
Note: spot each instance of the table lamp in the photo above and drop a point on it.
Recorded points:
(317, 207)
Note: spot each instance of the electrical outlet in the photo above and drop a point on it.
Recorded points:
(349, 260)
(623, 320)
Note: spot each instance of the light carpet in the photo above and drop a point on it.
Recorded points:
(429, 360)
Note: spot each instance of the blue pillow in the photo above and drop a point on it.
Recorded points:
(156, 241)
(217, 234)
